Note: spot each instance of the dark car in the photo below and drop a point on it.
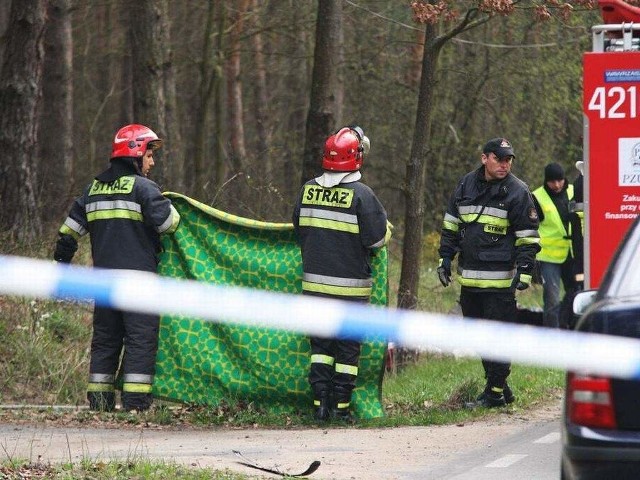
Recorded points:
(601, 417)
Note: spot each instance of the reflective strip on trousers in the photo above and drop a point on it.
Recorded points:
(137, 387)
(322, 359)
(100, 387)
(137, 383)
(102, 378)
(349, 287)
(348, 369)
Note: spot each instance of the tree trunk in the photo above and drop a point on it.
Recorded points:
(321, 118)
(261, 94)
(56, 122)
(173, 156)
(147, 56)
(237, 148)
(208, 167)
(414, 183)
(20, 96)
(5, 16)
(294, 115)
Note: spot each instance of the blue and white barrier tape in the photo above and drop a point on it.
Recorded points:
(150, 293)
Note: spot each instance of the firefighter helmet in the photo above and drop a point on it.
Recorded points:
(344, 151)
(133, 141)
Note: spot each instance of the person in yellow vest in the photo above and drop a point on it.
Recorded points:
(553, 203)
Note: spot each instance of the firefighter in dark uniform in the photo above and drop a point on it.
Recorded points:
(124, 214)
(577, 226)
(491, 221)
(339, 223)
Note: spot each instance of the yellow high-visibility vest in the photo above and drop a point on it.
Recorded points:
(554, 238)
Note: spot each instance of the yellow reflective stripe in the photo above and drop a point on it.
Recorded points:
(484, 283)
(526, 241)
(137, 387)
(67, 231)
(336, 290)
(488, 219)
(383, 241)
(110, 214)
(329, 225)
(342, 405)
(73, 228)
(349, 369)
(525, 278)
(122, 185)
(450, 226)
(100, 387)
(328, 197)
(495, 229)
(324, 359)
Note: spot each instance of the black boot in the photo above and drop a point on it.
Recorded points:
(102, 401)
(342, 403)
(322, 404)
(509, 397)
(491, 397)
(136, 401)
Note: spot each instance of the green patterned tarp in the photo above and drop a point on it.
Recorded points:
(204, 363)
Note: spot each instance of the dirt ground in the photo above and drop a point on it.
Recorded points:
(344, 453)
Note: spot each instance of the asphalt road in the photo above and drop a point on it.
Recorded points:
(509, 445)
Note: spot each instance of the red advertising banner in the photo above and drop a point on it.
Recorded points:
(612, 154)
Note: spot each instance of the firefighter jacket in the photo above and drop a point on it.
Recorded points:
(555, 231)
(576, 218)
(124, 213)
(338, 229)
(494, 227)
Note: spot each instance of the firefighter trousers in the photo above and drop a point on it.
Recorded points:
(128, 340)
(334, 368)
(491, 306)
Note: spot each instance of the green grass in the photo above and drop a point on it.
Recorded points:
(434, 391)
(133, 468)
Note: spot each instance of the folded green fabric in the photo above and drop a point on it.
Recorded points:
(203, 362)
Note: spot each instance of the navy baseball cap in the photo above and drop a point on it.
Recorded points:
(501, 147)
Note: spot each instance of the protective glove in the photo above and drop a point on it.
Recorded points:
(65, 249)
(444, 271)
(521, 281)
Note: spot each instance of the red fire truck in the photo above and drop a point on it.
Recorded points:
(611, 92)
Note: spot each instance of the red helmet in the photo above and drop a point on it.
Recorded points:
(344, 151)
(133, 141)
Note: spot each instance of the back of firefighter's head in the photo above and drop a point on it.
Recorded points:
(344, 151)
(133, 141)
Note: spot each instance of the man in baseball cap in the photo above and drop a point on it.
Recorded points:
(501, 147)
